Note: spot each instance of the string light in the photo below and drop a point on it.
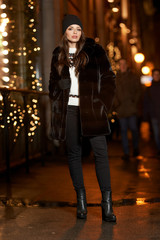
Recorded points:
(5, 79)
(3, 15)
(11, 55)
(5, 60)
(5, 52)
(16, 118)
(4, 34)
(29, 50)
(5, 69)
(3, 6)
(4, 43)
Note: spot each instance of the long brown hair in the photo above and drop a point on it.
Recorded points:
(80, 58)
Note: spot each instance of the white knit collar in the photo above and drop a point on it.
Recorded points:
(72, 50)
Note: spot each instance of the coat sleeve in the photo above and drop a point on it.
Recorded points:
(54, 78)
(106, 79)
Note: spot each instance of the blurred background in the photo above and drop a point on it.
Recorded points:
(30, 30)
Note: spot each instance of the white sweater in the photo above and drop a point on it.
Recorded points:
(74, 90)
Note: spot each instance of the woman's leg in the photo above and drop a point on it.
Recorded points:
(99, 147)
(73, 142)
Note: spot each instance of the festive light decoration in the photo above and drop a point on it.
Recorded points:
(16, 115)
(4, 20)
(17, 56)
(19, 52)
(114, 55)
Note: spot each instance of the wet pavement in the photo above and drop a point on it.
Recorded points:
(42, 204)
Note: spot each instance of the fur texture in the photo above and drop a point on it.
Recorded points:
(96, 90)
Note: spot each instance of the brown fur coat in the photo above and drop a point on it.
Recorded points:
(96, 90)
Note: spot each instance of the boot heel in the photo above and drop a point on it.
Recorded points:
(108, 218)
(82, 215)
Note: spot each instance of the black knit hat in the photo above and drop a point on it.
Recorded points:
(69, 20)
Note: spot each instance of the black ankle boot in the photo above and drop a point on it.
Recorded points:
(107, 211)
(81, 204)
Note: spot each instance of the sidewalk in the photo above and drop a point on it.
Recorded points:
(42, 205)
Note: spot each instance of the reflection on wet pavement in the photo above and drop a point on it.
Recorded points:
(43, 203)
(134, 223)
(132, 180)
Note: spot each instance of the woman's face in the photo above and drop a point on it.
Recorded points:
(73, 33)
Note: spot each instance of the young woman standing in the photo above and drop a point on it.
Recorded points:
(81, 89)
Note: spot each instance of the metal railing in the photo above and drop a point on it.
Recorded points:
(29, 117)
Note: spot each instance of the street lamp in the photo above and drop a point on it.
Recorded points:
(115, 9)
(139, 57)
(145, 70)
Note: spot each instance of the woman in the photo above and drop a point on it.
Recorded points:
(81, 88)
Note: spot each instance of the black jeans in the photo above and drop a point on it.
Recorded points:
(99, 147)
